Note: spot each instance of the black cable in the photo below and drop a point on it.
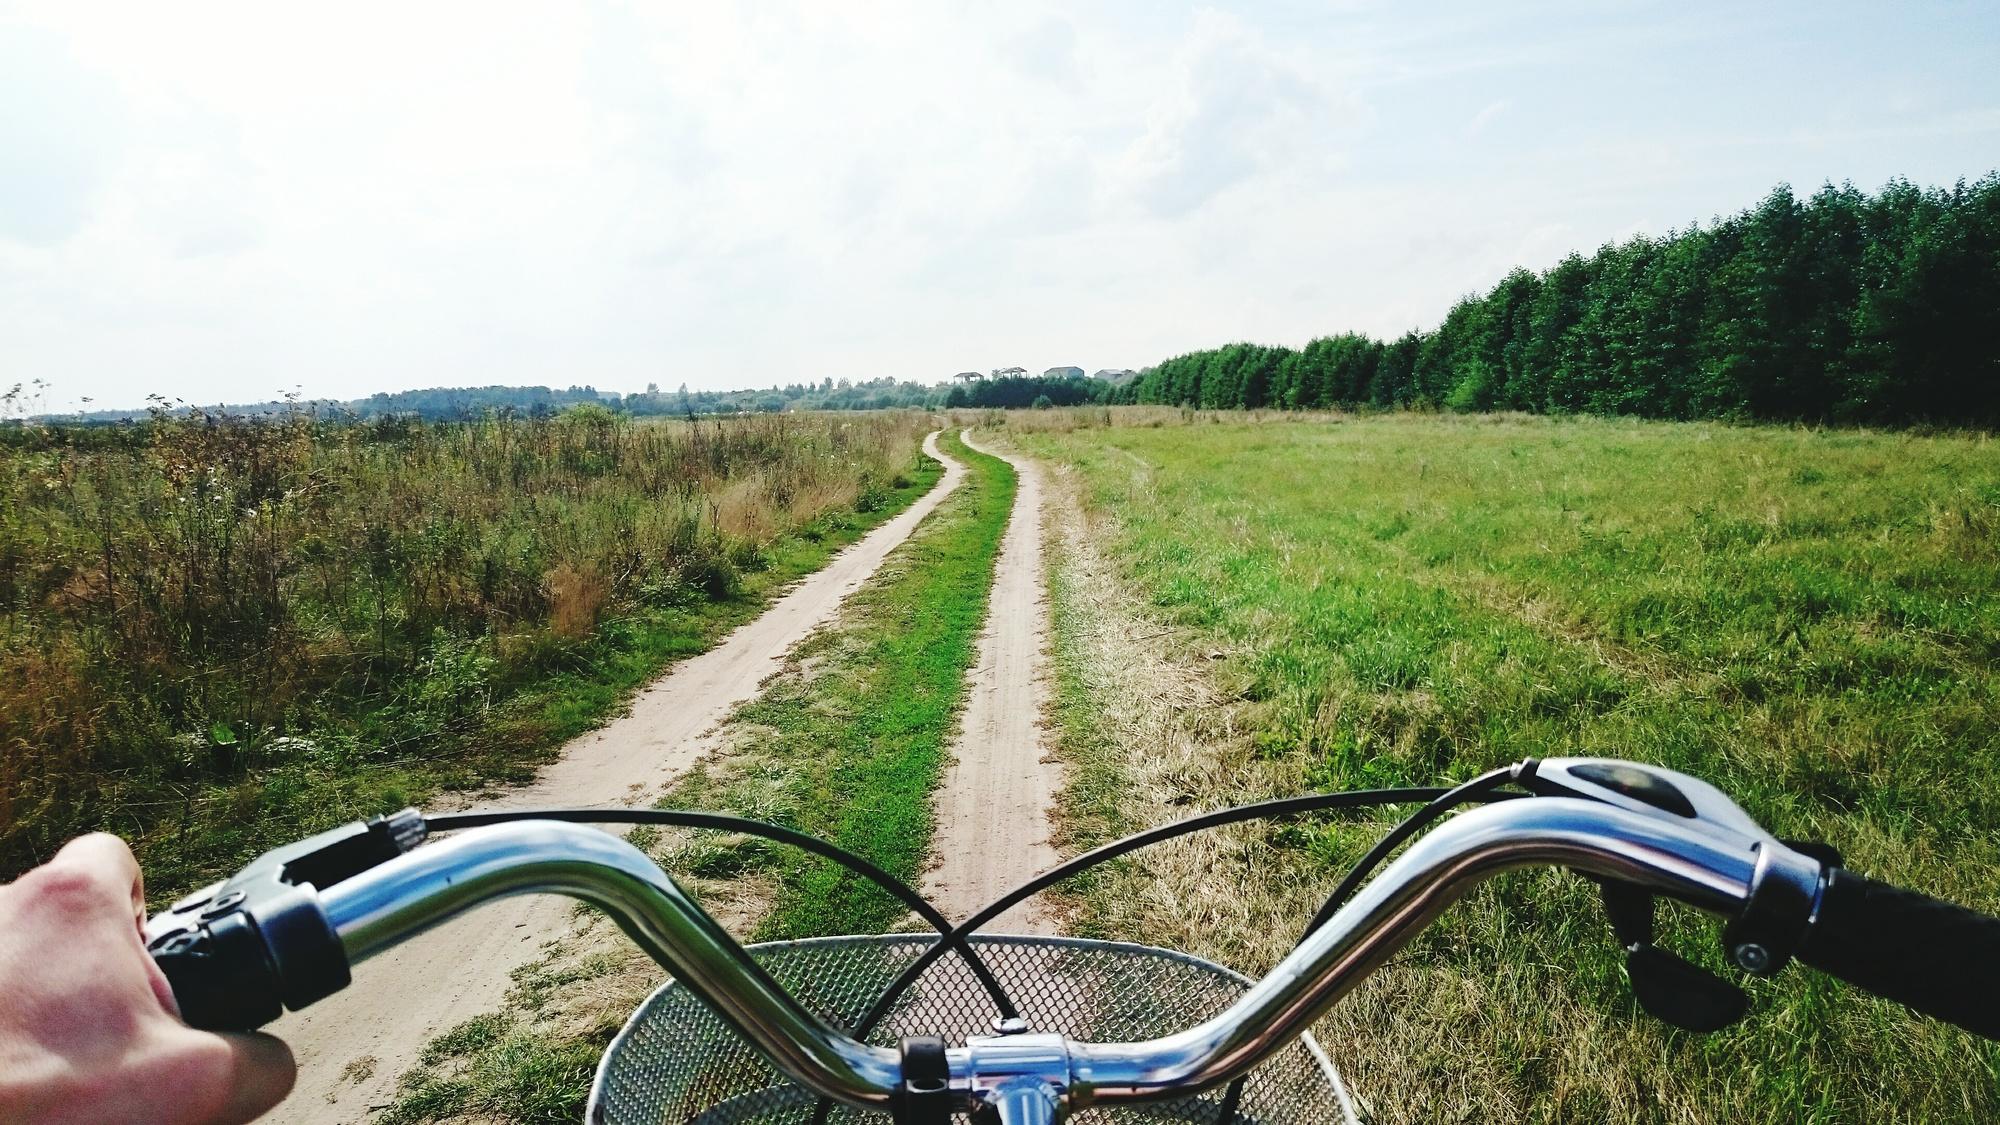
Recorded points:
(723, 822)
(1478, 789)
(953, 938)
(1225, 1114)
(1286, 806)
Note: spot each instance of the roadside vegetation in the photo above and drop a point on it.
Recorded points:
(1005, 387)
(220, 634)
(847, 744)
(1247, 607)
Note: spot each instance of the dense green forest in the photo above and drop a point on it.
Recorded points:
(1025, 390)
(1839, 307)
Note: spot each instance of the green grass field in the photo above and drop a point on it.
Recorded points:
(1807, 618)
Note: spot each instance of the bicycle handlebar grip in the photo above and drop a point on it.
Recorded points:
(221, 975)
(237, 968)
(1933, 956)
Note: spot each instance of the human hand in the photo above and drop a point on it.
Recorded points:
(89, 1031)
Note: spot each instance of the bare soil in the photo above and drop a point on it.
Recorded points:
(353, 1046)
(994, 803)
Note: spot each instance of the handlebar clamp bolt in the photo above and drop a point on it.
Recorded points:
(1009, 1025)
(1751, 957)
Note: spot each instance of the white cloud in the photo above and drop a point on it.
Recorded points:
(1234, 109)
(1486, 116)
(222, 200)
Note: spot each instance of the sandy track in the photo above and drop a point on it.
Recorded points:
(994, 804)
(353, 1046)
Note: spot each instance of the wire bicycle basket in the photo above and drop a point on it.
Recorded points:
(676, 1061)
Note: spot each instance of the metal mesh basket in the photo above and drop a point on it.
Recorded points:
(676, 1062)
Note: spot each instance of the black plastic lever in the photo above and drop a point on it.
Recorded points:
(1672, 989)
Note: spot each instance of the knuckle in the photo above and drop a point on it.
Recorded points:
(66, 889)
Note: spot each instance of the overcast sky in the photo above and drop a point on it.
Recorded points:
(223, 202)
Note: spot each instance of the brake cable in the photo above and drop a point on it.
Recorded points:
(1261, 810)
(723, 822)
(1478, 789)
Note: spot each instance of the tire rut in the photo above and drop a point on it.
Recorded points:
(995, 801)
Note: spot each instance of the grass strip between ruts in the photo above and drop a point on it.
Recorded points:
(859, 746)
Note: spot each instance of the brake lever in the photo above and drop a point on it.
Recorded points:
(1760, 940)
(240, 951)
(319, 861)
(1670, 988)
(1785, 889)
(1650, 790)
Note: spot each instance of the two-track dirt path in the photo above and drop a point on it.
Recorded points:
(353, 1046)
(994, 804)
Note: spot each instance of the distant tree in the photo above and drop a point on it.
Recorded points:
(1552, 360)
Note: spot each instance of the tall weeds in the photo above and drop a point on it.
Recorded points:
(189, 600)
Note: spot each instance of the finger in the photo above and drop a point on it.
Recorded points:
(162, 991)
(102, 861)
(262, 1073)
(107, 862)
(105, 857)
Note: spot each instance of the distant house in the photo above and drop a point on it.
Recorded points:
(968, 376)
(1115, 375)
(1063, 373)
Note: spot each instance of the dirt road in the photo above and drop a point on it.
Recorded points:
(994, 803)
(353, 1046)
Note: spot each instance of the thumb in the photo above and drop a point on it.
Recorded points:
(260, 1074)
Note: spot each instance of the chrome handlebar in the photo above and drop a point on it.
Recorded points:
(284, 931)
(1692, 862)
(394, 902)
(1437, 870)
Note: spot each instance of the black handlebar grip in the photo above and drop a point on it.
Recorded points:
(1940, 959)
(237, 968)
(221, 974)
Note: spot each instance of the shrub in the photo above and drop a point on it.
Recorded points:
(378, 584)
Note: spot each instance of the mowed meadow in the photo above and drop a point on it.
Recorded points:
(217, 634)
(1809, 618)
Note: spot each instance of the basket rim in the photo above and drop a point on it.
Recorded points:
(593, 1109)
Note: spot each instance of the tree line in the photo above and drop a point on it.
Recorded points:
(459, 404)
(1015, 391)
(1843, 307)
